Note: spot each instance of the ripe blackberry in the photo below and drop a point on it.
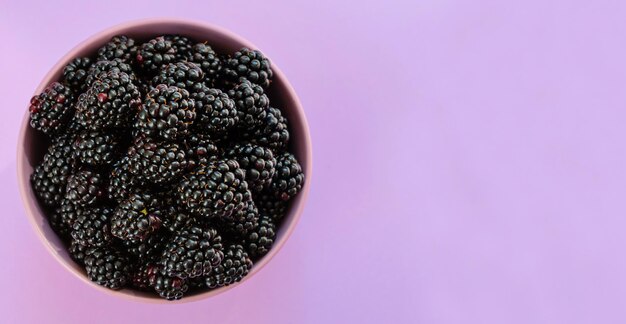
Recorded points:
(261, 239)
(257, 161)
(50, 177)
(170, 288)
(216, 111)
(206, 58)
(151, 162)
(185, 75)
(84, 188)
(49, 193)
(107, 267)
(234, 267)
(174, 219)
(166, 113)
(251, 103)
(192, 252)
(155, 53)
(59, 226)
(51, 111)
(78, 252)
(135, 219)
(145, 275)
(96, 148)
(69, 212)
(217, 189)
(271, 131)
(288, 179)
(182, 45)
(251, 65)
(271, 206)
(242, 222)
(91, 227)
(100, 70)
(200, 149)
(121, 181)
(147, 250)
(75, 73)
(110, 102)
(119, 47)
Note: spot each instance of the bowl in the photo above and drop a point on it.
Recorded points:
(31, 150)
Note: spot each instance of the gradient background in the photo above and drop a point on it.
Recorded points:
(470, 162)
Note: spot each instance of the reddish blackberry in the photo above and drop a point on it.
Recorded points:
(216, 111)
(242, 222)
(119, 47)
(75, 73)
(200, 149)
(121, 182)
(185, 75)
(100, 70)
(166, 113)
(234, 267)
(145, 275)
(50, 177)
(271, 131)
(96, 148)
(271, 206)
(91, 227)
(78, 252)
(251, 103)
(51, 111)
(135, 219)
(155, 53)
(107, 267)
(251, 65)
(204, 56)
(84, 188)
(261, 239)
(193, 252)
(217, 189)
(288, 179)
(110, 102)
(257, 161)
(170, 288)
(151, 162)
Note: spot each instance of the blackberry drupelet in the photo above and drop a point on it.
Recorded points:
(75, 73)
(242, 222)
(271, 206)
(156, 163)
(185, 75)
(52, 110)
(119, 47)
(110, 102)
(84, 188)
(96, 148)
(155, 53)
(251, 103)
(121, 181)
(135, 219)
(107, 267)
(91, 227)
(78, 252)
(50, 177)
(209, 61)
(261, 239)
(167, 113)
(257, 161)
(288, 179)
(170, 288)
(100, 70)
(251, 65)
(217, 189)
(216, 111)
(234, 267)
(192, 252)
(271, 131)
(200, 149)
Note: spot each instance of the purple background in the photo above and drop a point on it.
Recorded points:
(468, 157)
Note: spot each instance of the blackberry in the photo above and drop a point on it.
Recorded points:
(145, 275)
(52, 110)
(96, 148)
(147, 250)
(192, 252)
(156, 163)
(119, 47)
(166, 113)
(135, 219)
(261, 239)
(257, 161)
(175, 219)
(271, 206)
(288, 179)
(170, 288)
(271, 131)
(251, 65)
(216, 111)
(110, 102)
(155, 53)
(78, 252)
(75, 73)
(234, 267)
(242, 222)
(210, 63)
(185, 75)
(91, 227)
(100, 69)
(84, 188)
(182, 46)
(49, 193)
(69, 212)
(251, 103)
(200, 149)
(59, 226)
(50, 177)
(218, 189)
(121, 182)
(107, 267)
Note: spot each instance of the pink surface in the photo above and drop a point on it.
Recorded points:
(469, 162)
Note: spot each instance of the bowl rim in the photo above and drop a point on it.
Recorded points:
(287, 227)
